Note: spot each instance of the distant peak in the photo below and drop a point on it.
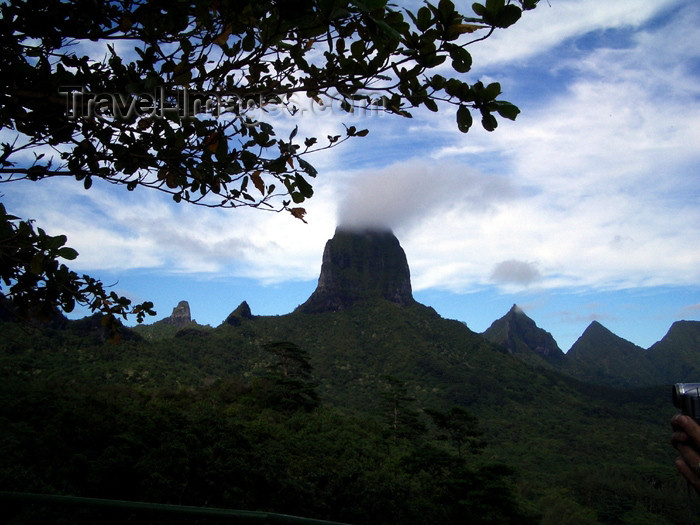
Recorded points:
(181, 315)
(597, 326)
(241, 313)
(519, 334)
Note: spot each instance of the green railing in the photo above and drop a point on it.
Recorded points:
(237, 516)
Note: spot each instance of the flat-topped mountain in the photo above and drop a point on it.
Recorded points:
(359, 266)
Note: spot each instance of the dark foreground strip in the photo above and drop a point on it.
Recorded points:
(243, 516)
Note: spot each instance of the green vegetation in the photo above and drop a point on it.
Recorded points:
(600, 356)
(261, 442)
(676, 353)
(519, 334)
(160, 330)
(402, 417)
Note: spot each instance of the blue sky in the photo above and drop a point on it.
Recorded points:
(586, 208)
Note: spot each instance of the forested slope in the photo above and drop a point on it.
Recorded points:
(411, 417)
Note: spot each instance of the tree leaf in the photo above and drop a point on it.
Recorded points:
(257, 181)
(479, 9)
(67, 253)
(212, 142)
(438, 81)
(509, 15)
(430, 104)
(304, 187)
(424, 19)
(507, 110)
(489, 122)
(492, 91)
(298, 213)
(308, 168)
(37, 264)
(223, 37)
(461, 29)
(464, 118)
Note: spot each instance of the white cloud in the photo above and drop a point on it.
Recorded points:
(594, 187)
(117, 230)
(690, 310)
(515, 272)
(407, 192)
(548, 26)
(610, 165)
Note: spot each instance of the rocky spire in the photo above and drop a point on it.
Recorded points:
(361, 265)
(181, 315)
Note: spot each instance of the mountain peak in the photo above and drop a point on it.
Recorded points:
(597, 342)
(519, 334)
(515, 309)
(181, 315)
(600, 355)
(595, 328)
(242, 312)
(600, 334)
(359, 265)
(677, 352)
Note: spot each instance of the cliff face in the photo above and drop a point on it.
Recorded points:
(180, 316)
(361, 265)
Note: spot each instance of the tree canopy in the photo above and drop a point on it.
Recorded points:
(182, 97)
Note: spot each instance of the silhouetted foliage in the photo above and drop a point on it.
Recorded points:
(182, 98)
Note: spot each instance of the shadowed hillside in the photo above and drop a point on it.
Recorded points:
(603, 357)
(549, 445)
(520, 335)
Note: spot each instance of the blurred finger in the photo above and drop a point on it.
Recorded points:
(674, 421)
(691, 475)
(690, 455)
(687, 425)
(678, 438)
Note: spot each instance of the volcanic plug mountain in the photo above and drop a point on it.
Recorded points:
(358, 266)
